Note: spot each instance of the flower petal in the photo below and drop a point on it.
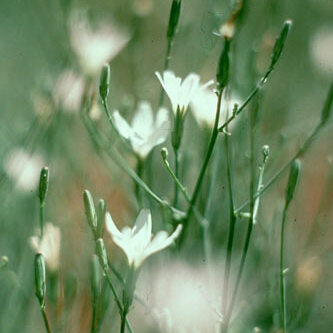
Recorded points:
(111, 227)
(122, 125)
(143, 119)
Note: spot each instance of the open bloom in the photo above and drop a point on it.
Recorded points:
(95, 47)
(204, 104)
(144, 133)
(181, 92)
(48, 245)
(23, 169)
(138, 242)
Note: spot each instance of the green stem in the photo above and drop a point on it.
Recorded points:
(302, 150)
(203, 168)
(93, 317)
(175, 199)
(232, 219)
(282, 278)
(45, 319)
(139, 172)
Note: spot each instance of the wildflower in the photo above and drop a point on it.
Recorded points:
(144, 134)
(181, 92)
(138, 243)
(48, 245)
(24, 169)
(96, 47)
(204, 105)
(68, 91)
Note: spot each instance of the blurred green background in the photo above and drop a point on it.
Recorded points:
(36, 47)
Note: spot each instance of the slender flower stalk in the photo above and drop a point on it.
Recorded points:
(291, 187)
(327, 109)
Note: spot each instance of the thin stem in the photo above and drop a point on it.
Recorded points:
(203, 168)
(253, 93)
(282, 273)
(175, 200)
(93, 316)
(123, 322)
(45, 319)
(302, 150)
(232, 219)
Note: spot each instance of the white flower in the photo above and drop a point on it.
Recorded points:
(23, 169)
(49, 245)
(181, 92)
(68, 91)
(204, 106)
(144, 134)
(96, 47)
(138, 242)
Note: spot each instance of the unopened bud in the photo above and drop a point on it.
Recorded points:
(293, 179)
(222, 75)
(227, 30)
(43, 184)
(174, 18)
(327, 109)
(100, 218)
(280, 41)
(164, 153)
(265, 151)
(101, 253)
(40, 278)
(104, 83)
(94, 276)
(89, 208)
(3, 262)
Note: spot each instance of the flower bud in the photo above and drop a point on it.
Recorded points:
(265, 151)
(104, 83)
(90, 210)
(222, 75)
(174, 18)
(3, 262)
(327, 109)
(164, 153)
(100, 218)
(43, 184)
(40, 278)
(293, 179)
(280, 41)
(94, 276)
(101, 253)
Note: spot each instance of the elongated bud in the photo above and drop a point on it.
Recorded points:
(101, 253)
(327, 109)
(174, 18)
(43, 184)
(94, 276)
(164, 153)
(280, 41)
(222, 75)
(104, 83)
(40, 278)
(100, 218)
(89, 208)
(293, 179)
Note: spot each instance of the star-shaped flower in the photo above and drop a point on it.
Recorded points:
(181, 92)
(144, 133)
(138, 242)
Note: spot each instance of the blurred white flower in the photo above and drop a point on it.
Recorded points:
(204, 105)
(95, 47)
(182, 298)
(144, 133)
(181, 92)
(49, 245)
(23, 169)
(138, 243)
(142, 7)
(321, 48)
(68, 91)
